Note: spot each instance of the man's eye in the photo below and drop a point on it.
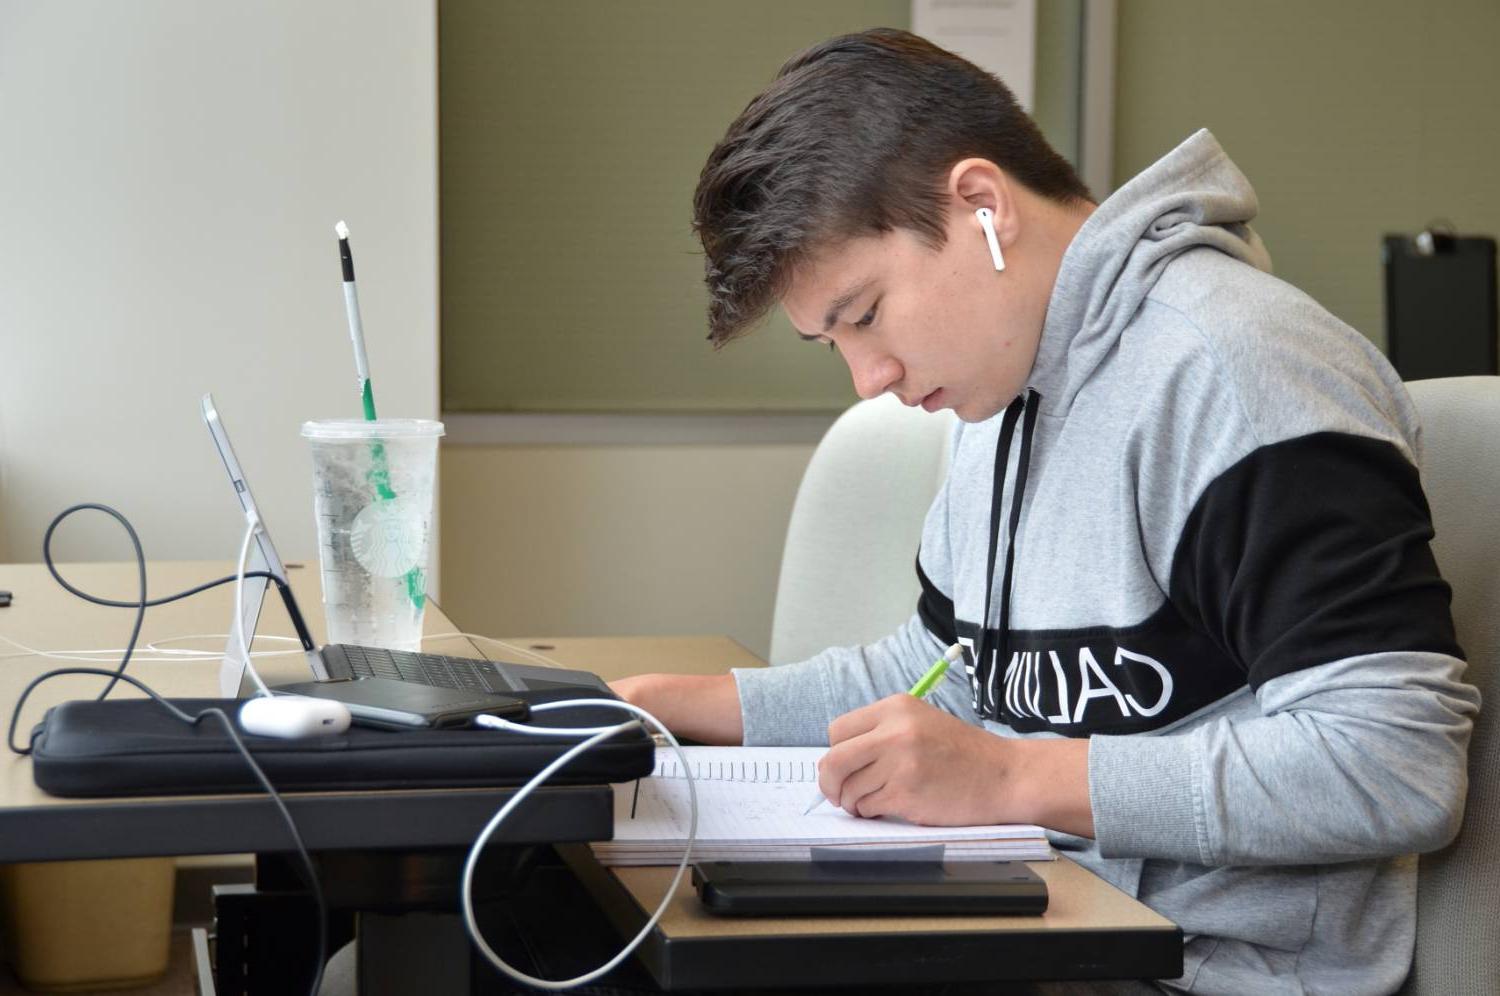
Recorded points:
(869, 318)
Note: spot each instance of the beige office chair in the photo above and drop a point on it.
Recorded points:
(1458, 898)
(848, 572)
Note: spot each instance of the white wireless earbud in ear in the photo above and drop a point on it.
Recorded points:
(987, 222)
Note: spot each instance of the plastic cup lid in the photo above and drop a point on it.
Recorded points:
(385, 428)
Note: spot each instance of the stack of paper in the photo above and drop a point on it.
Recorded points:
(751, 803)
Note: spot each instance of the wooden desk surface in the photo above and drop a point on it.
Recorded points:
(613, 657)
(1090, 930)
(1085, 912)
(1083, 909)
(1075, 902)
(44, 616)
(35, 826)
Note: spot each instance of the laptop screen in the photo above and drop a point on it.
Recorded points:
(262, 557)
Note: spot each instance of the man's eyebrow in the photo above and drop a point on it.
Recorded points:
(842, 301)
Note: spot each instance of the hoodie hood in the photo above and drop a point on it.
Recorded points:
(1193, 196)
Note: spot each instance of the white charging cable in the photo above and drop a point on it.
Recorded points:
(252, 523)
(596, 734)
(153, 650)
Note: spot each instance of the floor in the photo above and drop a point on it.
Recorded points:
(177, 982)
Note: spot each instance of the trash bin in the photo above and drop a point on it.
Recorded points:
(88, 925)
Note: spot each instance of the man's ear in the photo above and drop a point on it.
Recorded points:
(978, 183)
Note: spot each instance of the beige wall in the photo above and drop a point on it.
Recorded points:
(610, 540)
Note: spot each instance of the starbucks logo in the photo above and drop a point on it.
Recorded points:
(387, 537)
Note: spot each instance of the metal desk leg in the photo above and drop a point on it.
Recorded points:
(203, 965)
(411, 940)
(261, 941)
(408, 953)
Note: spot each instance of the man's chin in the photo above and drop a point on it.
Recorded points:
(974, 414)
(982, 410)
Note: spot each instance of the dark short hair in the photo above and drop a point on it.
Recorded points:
(854, 137)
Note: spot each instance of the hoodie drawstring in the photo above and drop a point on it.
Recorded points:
(986, 663)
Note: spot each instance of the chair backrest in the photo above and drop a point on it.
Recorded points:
(1458, 933)
(847, 572)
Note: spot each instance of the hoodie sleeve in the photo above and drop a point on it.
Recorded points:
(1308, 562)
(793, 704)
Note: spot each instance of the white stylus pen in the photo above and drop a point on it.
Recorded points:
(356, 328)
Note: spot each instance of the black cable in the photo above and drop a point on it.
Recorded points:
(111, 603)
(119, 674)
(15, 715)
(140, 563)
(205, 586)
(140, 604)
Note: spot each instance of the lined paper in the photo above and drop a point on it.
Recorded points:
(779, 765)
(751, 803)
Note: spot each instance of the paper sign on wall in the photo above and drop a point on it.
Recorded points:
(998, 36)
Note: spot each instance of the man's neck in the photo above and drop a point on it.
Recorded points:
(1051, 228)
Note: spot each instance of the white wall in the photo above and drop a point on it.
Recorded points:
(170, 173)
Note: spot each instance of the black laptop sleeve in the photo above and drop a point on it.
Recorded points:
(131, 747)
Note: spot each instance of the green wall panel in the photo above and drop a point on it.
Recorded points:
(1352, 118)
(572, 134)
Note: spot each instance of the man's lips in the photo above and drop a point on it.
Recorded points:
(923, 400)
(931, 403)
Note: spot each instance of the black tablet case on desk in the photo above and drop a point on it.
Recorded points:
(133, 747)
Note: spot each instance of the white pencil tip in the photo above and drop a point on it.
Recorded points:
(342, 229)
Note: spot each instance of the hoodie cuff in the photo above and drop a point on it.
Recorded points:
(782, 706)
(1143, 791)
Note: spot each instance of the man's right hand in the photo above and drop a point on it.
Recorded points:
(705, 708)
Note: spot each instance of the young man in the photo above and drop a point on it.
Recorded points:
(1182, 539)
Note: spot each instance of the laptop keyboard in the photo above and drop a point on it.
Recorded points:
(425, 669)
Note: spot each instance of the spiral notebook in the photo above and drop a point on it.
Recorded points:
(751, 803)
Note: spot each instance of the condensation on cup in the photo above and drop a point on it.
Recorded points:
(372, 494)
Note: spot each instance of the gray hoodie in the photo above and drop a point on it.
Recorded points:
(1199, 539)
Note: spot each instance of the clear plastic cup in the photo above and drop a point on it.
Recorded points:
(372, 492)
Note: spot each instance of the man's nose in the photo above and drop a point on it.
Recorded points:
(874, 372)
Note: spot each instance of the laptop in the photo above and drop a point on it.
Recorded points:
(335, 662)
